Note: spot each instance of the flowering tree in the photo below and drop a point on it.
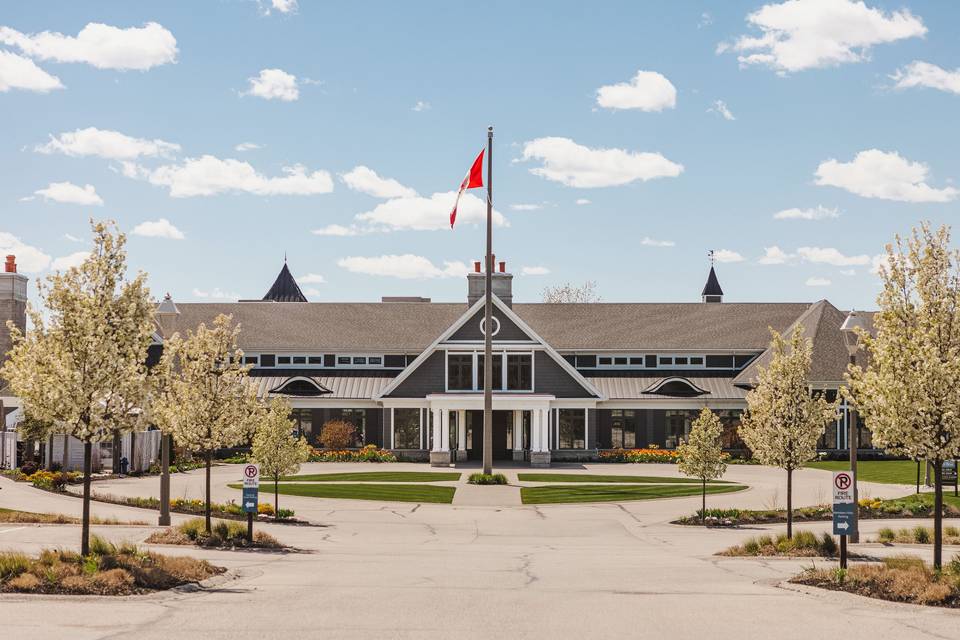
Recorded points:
(784, 419)
(909, 395)
(82, 367)
(276, 449)
(587, 292)
(205, 400)
(702, 456)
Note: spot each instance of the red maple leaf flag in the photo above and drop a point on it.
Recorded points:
(472, 180)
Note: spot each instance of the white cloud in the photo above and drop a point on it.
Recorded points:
(161, 228)
(69, 193)
(582, 201)
(337, 230)
(246, 146)
(817, 282)
(888, 176)
(705, 20)
(829, 255)
(534, 271)
(312, 292)
(574, 165)
(104, 143)
(285, 6)
(216, 293)
(17, 72)
(719, 106)
(75, 259)
(807, 34)
(526, 207)
(774, 255)
(72, 238)
(925, 74)
(366, 180)
(29, 259)
(647, 91)
(421, 106)
(848, 272)
(274, 84)
(209, 175)
(726, 255)
(311, 278)
(819, 212)
(406, 267)
(100, 45)
(428, 214)
(650, 242)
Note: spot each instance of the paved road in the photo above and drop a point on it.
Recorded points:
(444, 571)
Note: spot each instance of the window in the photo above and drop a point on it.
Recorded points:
(460, 372)
(318, 360)
(696, 360)
(283, 359)
(586, 361)
(636, 362)
(666, 361)
(620, 361)
(406, 428)
(343, 360)
(519, 372)
(304, 423)
(394, 361)
(604, 362)
(299, 359)
(267, 360)
(250, 360)
(680, 360)
(573, 428)
(678, 426)
(497, 377)
(623, 428)
(359, 360)
(375, 360)
(358, 418)
(720, 362)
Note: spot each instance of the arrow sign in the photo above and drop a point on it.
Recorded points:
(843, 526)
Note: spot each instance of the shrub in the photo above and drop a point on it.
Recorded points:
(285, 514)
(487, 478)
(224, 533)
(886, 534)
(921, 535)
(13, 564)
(803, 544)
(29, 468)
(265, 509)
(338, 434)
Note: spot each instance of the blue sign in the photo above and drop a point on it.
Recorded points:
(844, 520)
(250, 499)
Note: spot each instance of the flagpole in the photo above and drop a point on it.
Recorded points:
(487, 322)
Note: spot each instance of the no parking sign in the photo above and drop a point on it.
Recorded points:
(251, 487)
(844, 506)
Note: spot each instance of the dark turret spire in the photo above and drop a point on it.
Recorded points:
(711, 290)
(285, 288)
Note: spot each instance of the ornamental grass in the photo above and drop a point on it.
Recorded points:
(109, 569)
(223, 534)
(900, 579)
(803, 544)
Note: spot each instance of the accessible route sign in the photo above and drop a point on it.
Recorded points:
(251, 487)
(844, 506)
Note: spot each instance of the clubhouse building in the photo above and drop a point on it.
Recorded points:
(570, 380)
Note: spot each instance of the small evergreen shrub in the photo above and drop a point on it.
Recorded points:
(487, 478)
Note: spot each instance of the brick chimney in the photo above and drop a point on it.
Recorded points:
(13, 303)
(502, 283)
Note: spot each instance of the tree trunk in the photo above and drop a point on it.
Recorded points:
(85, 531)
(208, 456)
(50, 456)
(66, 452)
(703, 508)
(918, 476)
(789, 504)
(164, 519)
(938, 514)
(276, 496)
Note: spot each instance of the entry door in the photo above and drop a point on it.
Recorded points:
(501, 421)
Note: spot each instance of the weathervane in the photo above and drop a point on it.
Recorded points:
(711, 256)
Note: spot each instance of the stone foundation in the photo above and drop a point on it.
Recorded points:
(461, 455)
(518, 456)
(539, 459)
(439, 458)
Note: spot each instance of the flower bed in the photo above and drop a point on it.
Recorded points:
(54, 480)
(662, 456)
(369, 453)
(197, 507)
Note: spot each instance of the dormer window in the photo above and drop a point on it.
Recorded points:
(675, 387)
(300, 386)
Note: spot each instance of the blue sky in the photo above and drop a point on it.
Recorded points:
(149, 111)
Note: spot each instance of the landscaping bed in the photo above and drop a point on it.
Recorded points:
(368, 491)
(903, 579)
(593, 477)
(374, 476)
(109, 570)
(558, 494)
(664, 456)
(223, 535)
(369, 453)
(12, 516)
(487, 478)
(917, 535)
(803, 544)
(912, 506)
(230, 510)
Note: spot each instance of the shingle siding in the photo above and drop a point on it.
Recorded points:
(508, 329)
(549, 377)
(426, 379)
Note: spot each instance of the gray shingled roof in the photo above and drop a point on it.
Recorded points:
(411, 327)
(341, 387)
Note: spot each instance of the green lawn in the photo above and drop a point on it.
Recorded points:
(588, 477)
(377, 476)
(557, 494)
(886, 471)
(366, 491)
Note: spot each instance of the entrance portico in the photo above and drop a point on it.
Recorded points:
(514, 416)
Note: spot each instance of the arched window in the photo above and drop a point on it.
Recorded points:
(300, 386)
(677, 387)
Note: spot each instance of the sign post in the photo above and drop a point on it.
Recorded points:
(251, 497)
(844, 511)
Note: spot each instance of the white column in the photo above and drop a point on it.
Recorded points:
(462, 430)
(586, 429)
(437, 438)
(445, 430)
(535, 430)
(545, 421)
(518, 430)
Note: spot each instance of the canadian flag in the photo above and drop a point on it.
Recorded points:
(472, 180)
